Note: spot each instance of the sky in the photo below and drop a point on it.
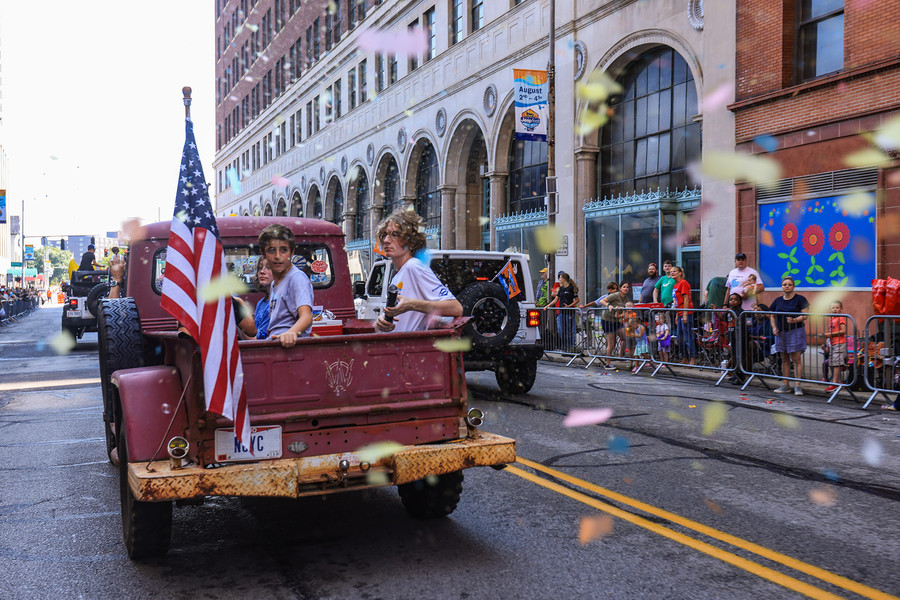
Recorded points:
(93, 119)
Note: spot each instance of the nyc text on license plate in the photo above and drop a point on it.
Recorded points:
(265, 442)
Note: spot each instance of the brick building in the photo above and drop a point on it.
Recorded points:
(815, 80)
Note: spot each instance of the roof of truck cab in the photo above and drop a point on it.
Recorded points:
(241, 227)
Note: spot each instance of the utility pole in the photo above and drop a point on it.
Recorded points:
(551, 141)
(23, 243)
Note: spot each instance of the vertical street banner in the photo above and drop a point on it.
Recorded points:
(531, 92)
(2, 206)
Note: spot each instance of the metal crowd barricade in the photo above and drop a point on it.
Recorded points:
(881, 355)
(615, 334)
(699, 338)
(821, 352)
(562, 332)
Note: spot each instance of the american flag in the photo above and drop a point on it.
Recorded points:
(194, 258)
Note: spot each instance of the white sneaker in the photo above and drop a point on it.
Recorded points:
(798, 391)
(784, 389)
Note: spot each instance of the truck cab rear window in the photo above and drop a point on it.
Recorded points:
(314, 260)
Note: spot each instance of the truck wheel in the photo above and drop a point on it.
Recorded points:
(120, 347)
(495, 318)
(517, 377)
(97, 293)
(433, 497)
(146, 526)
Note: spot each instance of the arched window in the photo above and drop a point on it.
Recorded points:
(338, 205)
(527, 184)
(391, 187)
(428, 198)
(652, 136)
(315, 203)
(363, 203)
(295, 201)
(281, 210)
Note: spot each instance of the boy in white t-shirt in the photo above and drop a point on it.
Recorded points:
(422, 295)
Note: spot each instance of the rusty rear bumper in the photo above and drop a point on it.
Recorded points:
(316, 475)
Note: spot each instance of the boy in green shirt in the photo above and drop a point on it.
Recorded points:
(663, 289)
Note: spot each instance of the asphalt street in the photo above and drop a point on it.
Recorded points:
(793, 498)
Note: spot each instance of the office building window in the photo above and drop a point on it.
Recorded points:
(379, 72)
(393, 69)
(309, 46)
(391, 188)
(820, 38)
(363, 94)
(431, 47)
(527, 183)
(652, 137)
(337, 99)
(318, 113)
(299, 125)
(352, 14)
(477, 14)
(351, 88)
(363, 206)
(337, 21)
(309, 116)
(456, 21)
(329, 29)
(428, 198)
(317, 34)
(413, 58)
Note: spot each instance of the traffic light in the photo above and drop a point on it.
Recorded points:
(44, 241)
(106, 252)
(62, 244)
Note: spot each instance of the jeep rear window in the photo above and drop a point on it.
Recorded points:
(458, 273)
(314, 260)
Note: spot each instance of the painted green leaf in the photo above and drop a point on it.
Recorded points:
(833, 273)
(840, 283)
(794, 249)
(795, 271)
(793, 259)
(810, 269)
(782, 255)
(819, 268)
(819, 281)
(840, 256)
(786, 273)
(812, 259)
(832, 257)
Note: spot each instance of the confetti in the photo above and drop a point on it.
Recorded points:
(594, 528)
(888, 137)
(234, 180)
(617, 445)
(453, 345)
(377, 478)
(677, 416)
(591, 120)
(823, 496)
(375, 452)
(221, 287)
(548, 239)
(787, 421)
(714, 416)
(253, 28)
(870, 157)
(766, 238)
(718, 98)
(578, 417)
(712, 506)
(62, 343)
(409, 43)
(766, 142)
(727, 166)
(872, 452)
(281, 181)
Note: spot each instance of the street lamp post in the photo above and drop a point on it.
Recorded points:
(551, 141)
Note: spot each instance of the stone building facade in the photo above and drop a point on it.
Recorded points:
(348, 135)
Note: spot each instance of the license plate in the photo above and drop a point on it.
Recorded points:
(73, 313)
(265, 442)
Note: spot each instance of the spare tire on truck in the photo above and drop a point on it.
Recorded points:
(97, 293)
(120, 347)
(495, 318)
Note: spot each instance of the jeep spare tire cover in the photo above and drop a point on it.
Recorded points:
(94, 297)
(495, 318)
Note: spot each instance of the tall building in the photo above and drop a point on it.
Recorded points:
(815, 83)
(6, 238)
(310, 124)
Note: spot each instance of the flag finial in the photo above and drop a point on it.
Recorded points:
(186, 90)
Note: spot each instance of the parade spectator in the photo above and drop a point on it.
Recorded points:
(685, 319)
(735, 304)
(611, 287)
(611, 321)
(567, 297)
(663, 337)
(649, 285)
(714, 294)
(642, 346)
(790, 333)
(738, 282)
(760, 335)
(663, 288)
(542, 293)
(261, 314)
(836, 337)
(291, 291)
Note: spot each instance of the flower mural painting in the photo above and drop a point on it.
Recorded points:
(781, 224)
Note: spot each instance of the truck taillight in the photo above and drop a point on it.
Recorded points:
(534, 318)
(73, 302)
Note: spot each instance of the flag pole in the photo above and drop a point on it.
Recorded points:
(186, 90)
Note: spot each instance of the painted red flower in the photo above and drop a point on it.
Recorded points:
(839, 236)
(813, 240)
(789, 235)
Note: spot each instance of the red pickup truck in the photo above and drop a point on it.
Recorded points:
(346, 409)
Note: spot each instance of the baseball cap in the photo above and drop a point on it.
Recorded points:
(544, 270)
(90, 246)
(740, 256)
(560, 273)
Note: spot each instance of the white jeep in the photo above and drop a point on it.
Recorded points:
(505, 331)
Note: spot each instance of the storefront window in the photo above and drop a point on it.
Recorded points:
(527, 182)
(602, 239)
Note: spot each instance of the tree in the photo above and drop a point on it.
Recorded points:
(59, 262)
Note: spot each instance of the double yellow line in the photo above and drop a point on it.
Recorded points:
(728, 557)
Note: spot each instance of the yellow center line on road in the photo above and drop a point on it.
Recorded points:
(788, 561)
(733, 559)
